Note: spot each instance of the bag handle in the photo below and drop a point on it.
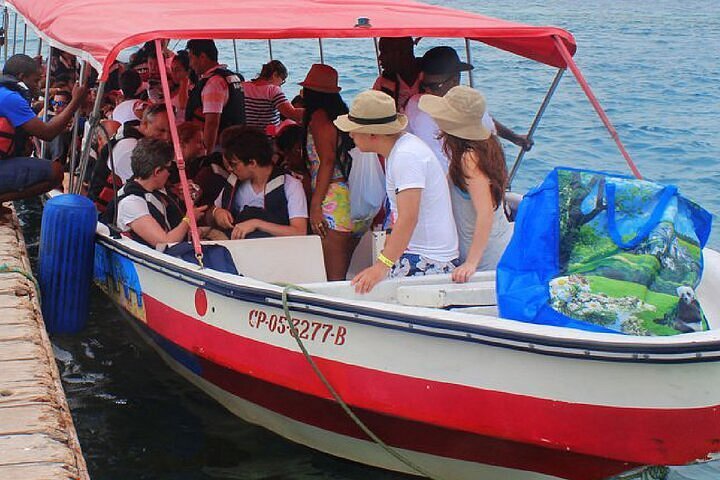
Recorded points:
(667, 194)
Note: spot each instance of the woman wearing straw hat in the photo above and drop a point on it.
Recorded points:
(424, 239)
(478, 178)
(326, 152)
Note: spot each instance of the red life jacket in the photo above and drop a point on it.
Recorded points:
(7, 138)
(108, 192)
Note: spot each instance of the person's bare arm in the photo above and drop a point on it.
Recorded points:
(521, 141)
(287, 110)
(57, 124)
(298, 226)
(210, 130)
(325, 138)
(408, 204)
(147, 228)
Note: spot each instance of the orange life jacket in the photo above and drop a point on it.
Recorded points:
(7, 138)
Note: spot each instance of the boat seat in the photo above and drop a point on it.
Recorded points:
(462, 294)
(296, 259)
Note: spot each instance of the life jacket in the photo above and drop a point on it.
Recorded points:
(234, 111)
(101, 189)
(14, 142)
(155, 201)
(275, 209)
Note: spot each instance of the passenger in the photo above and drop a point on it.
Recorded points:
(478, 176)
(20, 175)
(441, 71)
(260, 199)
(153, 125)
(265, 100)
(424, 239)
(217, 100)
(400, 76)
(59, 147)
(326, 151)
(144, 210)
(132, 105)
(289, 153)
(183, 78)
(193, 150)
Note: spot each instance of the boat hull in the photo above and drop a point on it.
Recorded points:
(479, 410)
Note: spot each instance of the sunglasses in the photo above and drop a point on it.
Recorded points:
(58, 103)
(435, 86)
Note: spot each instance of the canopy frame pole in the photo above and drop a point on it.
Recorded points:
(46, 100)
(471, 82)
(322, 54)
(270, 49)
(6, 25)
(377, 55)
(595, 103)
(24, 36)
(40, 45)
(535, 123)
(237, 67)
(15, 33)
(93, 122)
(75, 129)
(189, 211)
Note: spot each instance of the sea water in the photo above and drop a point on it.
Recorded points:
(655, 67)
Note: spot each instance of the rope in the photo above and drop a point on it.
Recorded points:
(4, 268)
(334, 393)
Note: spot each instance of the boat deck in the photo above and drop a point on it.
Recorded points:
(37, 434)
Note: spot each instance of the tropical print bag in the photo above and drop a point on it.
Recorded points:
(605, 253)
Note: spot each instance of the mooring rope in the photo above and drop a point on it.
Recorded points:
(4, 268)
(390, 450)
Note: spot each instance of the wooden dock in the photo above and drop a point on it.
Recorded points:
(37, 435)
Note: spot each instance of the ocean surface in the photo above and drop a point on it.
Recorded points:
(655, 67)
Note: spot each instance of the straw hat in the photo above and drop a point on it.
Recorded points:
(458, 113)
(321, 78)
(372, 111)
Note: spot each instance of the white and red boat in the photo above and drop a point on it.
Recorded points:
(451, 390)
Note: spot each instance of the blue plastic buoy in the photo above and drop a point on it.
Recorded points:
(67, 242)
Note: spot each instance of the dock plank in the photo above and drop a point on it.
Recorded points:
(37, 435)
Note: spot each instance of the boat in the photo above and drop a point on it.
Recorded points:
(421, 375)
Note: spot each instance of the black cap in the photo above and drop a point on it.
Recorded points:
(441, 60)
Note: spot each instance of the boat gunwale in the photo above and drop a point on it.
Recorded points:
(647, 350)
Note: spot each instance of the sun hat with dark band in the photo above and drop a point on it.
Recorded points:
(441, 61)
(459, 112)
(372, 111)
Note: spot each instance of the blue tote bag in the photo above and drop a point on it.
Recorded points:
(605, 253)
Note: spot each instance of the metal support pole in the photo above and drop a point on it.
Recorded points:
(15, 33)
(236, 57)
(471, 83)
(322, 54)
(40, 45)
(24, 36)
(75, 128)
(93, 121)
(535, 123)
(5, 26)
(270, 48)
(46, 101)
(377, 55)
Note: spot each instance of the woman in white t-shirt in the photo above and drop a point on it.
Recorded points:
(478, 177)
(265, 100)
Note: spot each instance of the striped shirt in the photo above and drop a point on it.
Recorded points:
(261, 104)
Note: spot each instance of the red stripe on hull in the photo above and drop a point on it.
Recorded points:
(636, 435)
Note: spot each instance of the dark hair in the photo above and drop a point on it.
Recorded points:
(197, 47)
(149, 154)
(289, 137)
(20, 64)
(334, 106)
(183, 58)
(63, 93)
(187, 131)
(130, 82)
(65, 78)
(244, 143)
(490, 161)
(273, 66)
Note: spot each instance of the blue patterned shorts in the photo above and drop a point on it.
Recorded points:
(413, 265)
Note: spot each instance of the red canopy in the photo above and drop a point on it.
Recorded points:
(97, 30)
